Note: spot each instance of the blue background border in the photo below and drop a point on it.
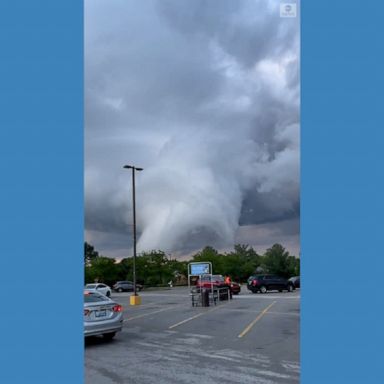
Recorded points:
(342, 192)
(41, 168)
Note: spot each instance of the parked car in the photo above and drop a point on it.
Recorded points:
(99, 287)
(295, 280)
(216, 282)
(102, 315)
(235, 288)
(126, 286)
(264, 283)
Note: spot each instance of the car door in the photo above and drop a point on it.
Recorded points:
(280, 283)
(274, 282)
(268, 282)
(102, 289)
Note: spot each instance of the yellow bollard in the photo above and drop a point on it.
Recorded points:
(134, 300)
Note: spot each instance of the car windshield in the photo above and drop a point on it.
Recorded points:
(215, 278)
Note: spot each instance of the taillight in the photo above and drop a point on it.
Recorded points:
(254, 282)
(86, 312)
(117, 308)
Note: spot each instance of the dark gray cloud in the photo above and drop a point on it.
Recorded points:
(205, 96)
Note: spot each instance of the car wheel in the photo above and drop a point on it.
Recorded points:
(109, 336)
(290, 288)
(280, 290)
(263, 289)
(108, 294)
(120, 290)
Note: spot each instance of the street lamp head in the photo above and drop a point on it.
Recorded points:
(132, 167)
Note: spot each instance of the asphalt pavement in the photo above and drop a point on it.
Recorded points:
(251, 339)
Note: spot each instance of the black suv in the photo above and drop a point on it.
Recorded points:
(264, 283)
(126, 286)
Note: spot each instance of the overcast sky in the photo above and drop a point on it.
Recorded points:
(204, 95)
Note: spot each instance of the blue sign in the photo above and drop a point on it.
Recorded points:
(200, 269)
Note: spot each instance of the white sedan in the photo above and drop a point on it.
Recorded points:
(99, 287)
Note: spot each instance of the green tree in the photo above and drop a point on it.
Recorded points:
(278, 261)
(212, 255)
(124, 269)
(241, 262)
(156, 268)
(293, 266)
(102, 269)
(152, 268)
(89, 254)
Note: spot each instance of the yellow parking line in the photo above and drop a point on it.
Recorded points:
(193, 317)
(249, 327)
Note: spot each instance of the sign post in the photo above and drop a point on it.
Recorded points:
(198, 270)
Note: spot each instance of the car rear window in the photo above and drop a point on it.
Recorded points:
(91, 286)
(93, 298)
(255, 277)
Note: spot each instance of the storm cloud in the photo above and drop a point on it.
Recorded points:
(204, 95)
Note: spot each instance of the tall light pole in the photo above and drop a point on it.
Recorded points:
(135, 300)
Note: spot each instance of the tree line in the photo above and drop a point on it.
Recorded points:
(156, 268)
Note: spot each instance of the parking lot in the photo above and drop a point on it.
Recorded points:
(253, 338)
